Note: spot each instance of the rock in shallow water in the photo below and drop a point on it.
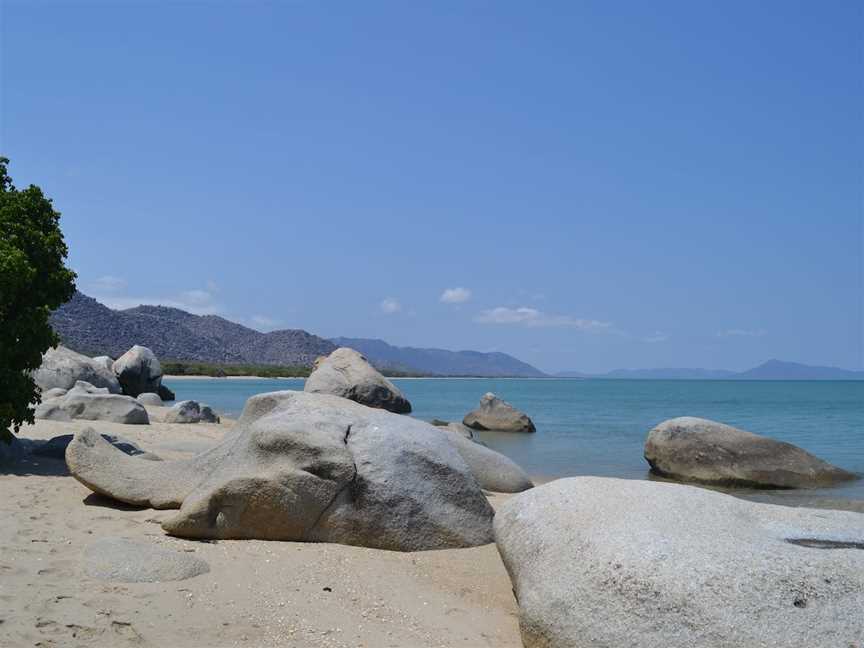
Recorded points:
(125, 561)
(496, 414)
(608, 562)
(348, 374)
(301, 466)
(699, 450)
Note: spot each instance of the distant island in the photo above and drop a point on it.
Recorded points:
(770, 370)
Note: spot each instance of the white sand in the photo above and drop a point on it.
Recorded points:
(256, 594)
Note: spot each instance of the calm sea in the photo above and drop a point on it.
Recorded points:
(598, 427)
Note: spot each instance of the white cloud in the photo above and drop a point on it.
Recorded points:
(107, 284)
(391, 305)
(742, 333)
(264, 323)
(199, 302)
(455, 296)
(533, 318)
(658, 336)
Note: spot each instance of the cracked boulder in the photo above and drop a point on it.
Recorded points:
(348, 374)
(612, 562)
(699, 450)
(300, 466)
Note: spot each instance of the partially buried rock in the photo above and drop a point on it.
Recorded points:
(704, 451)
(187, 411)
(84, 401)
(207, 415)
(611, 562)
(61, 368)
(496, 414)
(55, 447)
(149, 398)
(348, 374)
(138, 371)
(301, 466)
(125, 561)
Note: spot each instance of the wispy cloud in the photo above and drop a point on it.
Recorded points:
(112, 291)
(107, 284)
(534, 318)
(735, 332)
(657, 337)
(264, 323)
(457, 295)
(390, 305)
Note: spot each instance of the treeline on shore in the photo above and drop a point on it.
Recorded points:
(186, 368)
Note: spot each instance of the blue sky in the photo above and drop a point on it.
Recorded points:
(586, 185)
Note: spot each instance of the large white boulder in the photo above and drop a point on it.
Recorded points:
(348, 374)
(610, 562)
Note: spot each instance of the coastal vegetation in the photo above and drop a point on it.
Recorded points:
(181, 368)
(217, 370)
(34, 280)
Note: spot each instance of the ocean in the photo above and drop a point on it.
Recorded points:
(598, 427)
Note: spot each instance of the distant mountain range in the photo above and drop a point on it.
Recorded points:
(89, 327)
(92, 328)
(173, 334)
(771, 370)
(440, 361)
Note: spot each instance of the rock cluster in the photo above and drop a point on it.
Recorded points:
(84, 401)
(348, 374)
(61, 368)
(77, 387)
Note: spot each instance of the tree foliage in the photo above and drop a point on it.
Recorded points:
(33, 281)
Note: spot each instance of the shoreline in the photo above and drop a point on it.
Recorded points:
(202, 377)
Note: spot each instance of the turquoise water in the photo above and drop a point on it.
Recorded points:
(598, 427)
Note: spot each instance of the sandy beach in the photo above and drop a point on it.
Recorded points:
(256, 593)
